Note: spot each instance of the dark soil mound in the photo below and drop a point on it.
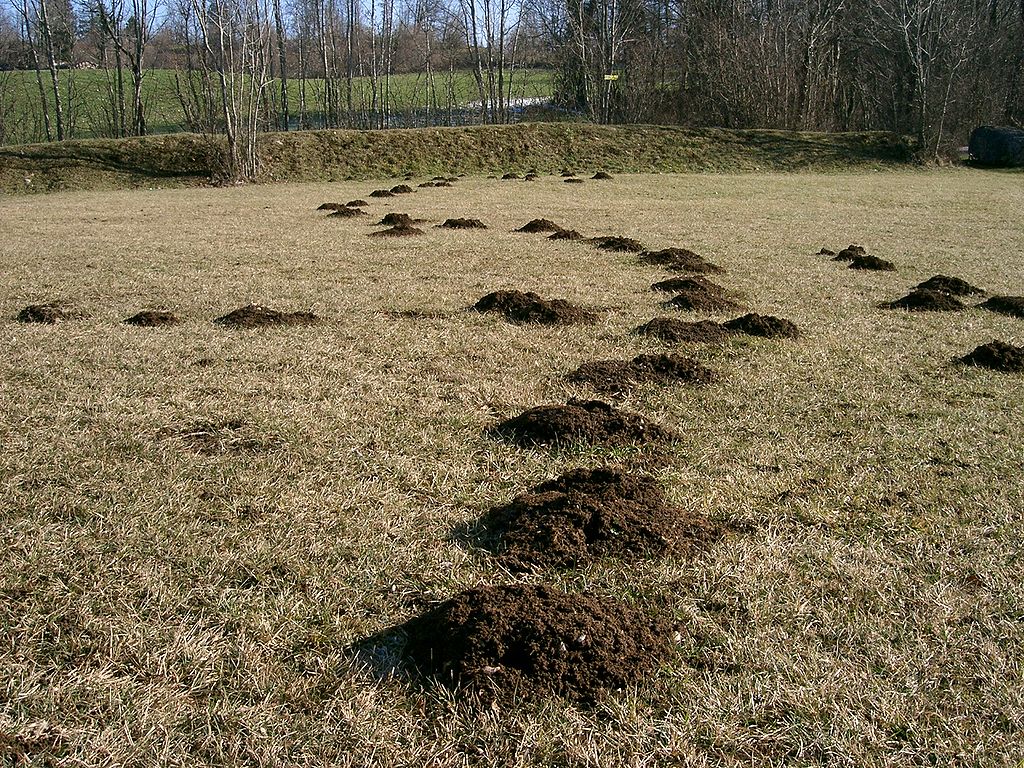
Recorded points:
(356, 204)
(348, 213)
(580, 421)
(591, 513)
(699, 284)
(618, 244)
(463, 224)
(566, 234)
(441, 178)
(849, 253)
(254, 316)
(397, 231)
(152, 318)
(826, 252)
(680, 260)
(602, 176)
(926, 301)
(402, 189)
(443, 184)
(954, 286)
(42, 313)
(1006, 305)
(382, 193)
(510, 176)
(427, 184)
(330, 206)
(702, 301)
(531, 177)
(573, 180)
(997, 355)
(872, 262)
(536, 640)
(676, 331)
(765, 326)
(540, 225)
(520, 307)
(618, 376)
(566, 173)
(397, 220)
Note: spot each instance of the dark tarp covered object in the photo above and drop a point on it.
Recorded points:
(997, 146)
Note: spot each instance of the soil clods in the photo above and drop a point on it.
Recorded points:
(682, 284)
(382, 193)
(539, 225)
(348, 213)
(578, 421)
(536, 640)
(397, 220)
(47, 314)
(849, 253)
(997, 355)
(528, 307)
(356, 204)
(573, 180)
(765, 326)
(330, 206)
(401, 230)
(620, 376)
(703, 301)
(1005, 305)
(677, 331)
(402, 189)
(954, 286)
(153, 318)
(255, 316)
(566, 234)
(873, 263)
(463, 224)
(618, 244)
(680, 260)
(591, 513)
(926, 301)
(602, 176)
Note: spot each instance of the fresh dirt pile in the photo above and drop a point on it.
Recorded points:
(427, 185)
(826, 252)
(528, 307)
(397, 231)
(849, 253)
(618, 244)
(402, 189)
(356, 204)
(382, 193)
(702, 301)
(680, 260)
(766, 326)
(954, 286)
(536, 640)
(566, 234)
(926, 301)
(463, 224)
(255, 316)
(531, 177)
(619, 376)
(510, 176)
(591, 513)
(1005, 305)
(873, 263)
(398, 220)
(682, 284)
(43, 313)
(153, 318)
(539, 225)
(997, 355)
(330, 206)
(602, 176)
(348, 213)
(677, 331)
(573, 180)
(580, 421)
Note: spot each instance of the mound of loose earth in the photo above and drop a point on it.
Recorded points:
(509, 176)
(356, 204)
(1006, 305)
(403, 230)
(682, 284)
(618, 244)
(765, 326)
(348, 213)
(849, 253)
(540, 225)
(536, 640)
(826, 252)
(591, 513)
(382, 193)
(872, 263)
(573, 180)
(602, 176)
(152, 318)
(255, 316)
(702, 301)
(566, 234)
(618, 376)
(398, 220)
(926, 301)
(677, 331)
(580, 421)
(954, 286)
(997, 355)
(463, 224)
(330, 206)
(680, 260)
(402, 189)
(520, 307)
(43, 313)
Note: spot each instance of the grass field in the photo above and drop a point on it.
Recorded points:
(163, 605)
(90, 100)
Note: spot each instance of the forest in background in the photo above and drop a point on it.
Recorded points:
(930, 69)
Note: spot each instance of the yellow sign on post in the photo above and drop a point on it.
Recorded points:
(611, 77)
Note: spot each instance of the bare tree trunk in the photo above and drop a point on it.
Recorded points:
(282, 64)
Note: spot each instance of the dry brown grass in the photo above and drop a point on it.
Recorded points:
(168, 605)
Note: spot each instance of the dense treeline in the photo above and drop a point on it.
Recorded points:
(928, 68)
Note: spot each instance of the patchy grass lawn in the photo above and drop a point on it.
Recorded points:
(198, 523)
